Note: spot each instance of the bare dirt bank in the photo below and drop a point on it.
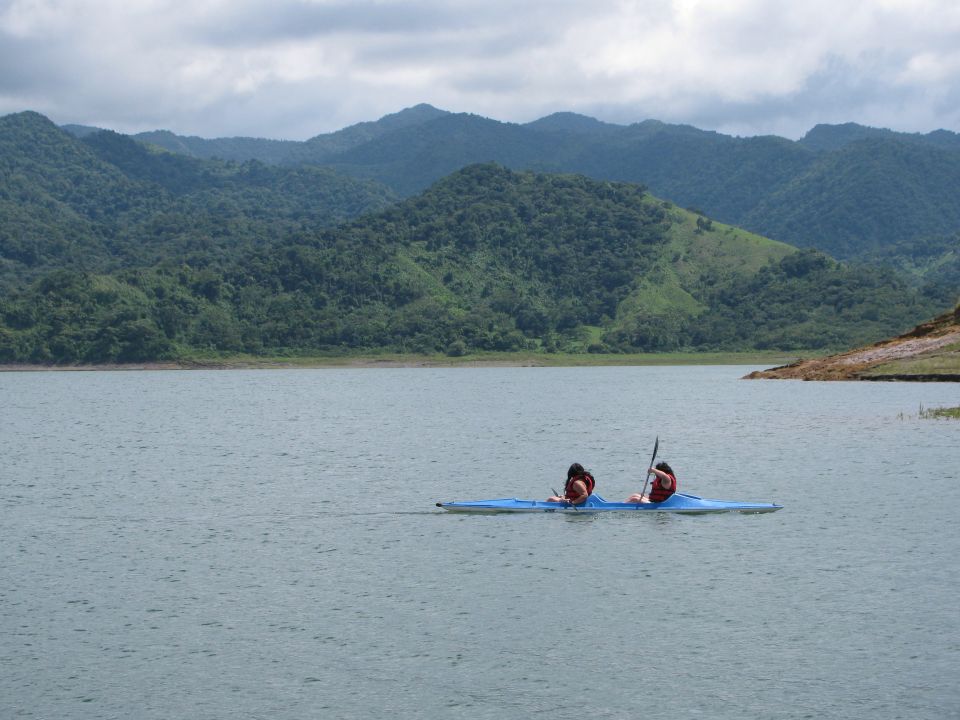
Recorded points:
(929, 352)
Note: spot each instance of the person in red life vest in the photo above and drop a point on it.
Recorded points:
(664, 485)
(580, 484)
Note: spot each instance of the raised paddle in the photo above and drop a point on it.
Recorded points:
(656, 445)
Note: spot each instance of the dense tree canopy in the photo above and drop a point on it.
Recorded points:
(107, 202)
(848, 190)
(487, 259)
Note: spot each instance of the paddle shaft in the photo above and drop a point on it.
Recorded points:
(656, 446)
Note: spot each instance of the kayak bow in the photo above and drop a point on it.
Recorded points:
(676, 503)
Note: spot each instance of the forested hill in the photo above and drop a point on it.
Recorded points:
(105, 201)
(849, 190)
(836, 137)
(486, 259)
(316, 150)
(851, 201)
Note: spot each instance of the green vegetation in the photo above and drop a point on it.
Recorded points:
(140, 256)
(945, 362)
(931, 262)
(847, 190)
(316, 150)
(106, 202)
(864, 198)
(934, 413)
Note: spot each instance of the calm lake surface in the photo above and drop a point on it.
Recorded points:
(264, 544)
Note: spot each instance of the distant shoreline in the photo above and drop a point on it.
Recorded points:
(420, 361)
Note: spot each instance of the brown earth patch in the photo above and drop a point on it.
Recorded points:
(925, 341)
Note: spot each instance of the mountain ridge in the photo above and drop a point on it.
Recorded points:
(106, 201)
(820, 136)
(794, 190)
(487, 259)
(149, 253)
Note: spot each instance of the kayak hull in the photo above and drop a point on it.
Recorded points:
(676, 503)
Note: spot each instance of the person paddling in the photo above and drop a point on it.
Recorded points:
(664, 485)
(580, 484)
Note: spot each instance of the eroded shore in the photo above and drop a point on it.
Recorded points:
(928, 353)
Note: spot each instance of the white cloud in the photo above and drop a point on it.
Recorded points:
(294, 68)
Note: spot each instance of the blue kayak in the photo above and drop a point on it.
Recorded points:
(676, 503)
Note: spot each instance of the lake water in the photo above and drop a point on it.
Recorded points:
(264, 544)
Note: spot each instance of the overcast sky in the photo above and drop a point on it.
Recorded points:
(292, 69)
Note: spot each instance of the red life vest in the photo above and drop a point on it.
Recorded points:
(568, 491)
(658, 493)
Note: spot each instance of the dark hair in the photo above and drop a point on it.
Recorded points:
(666, 468)
(574, 470)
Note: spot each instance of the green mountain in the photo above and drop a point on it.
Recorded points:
(827, 138)
(239, 149)
(851, 201)
(869, 195)
(848, 190)
(317, 149)
(485, 259)
(412, 158)
(105, 201)
(568, 122)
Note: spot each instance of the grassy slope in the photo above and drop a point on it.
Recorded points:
(695, 256)
(942, 362)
